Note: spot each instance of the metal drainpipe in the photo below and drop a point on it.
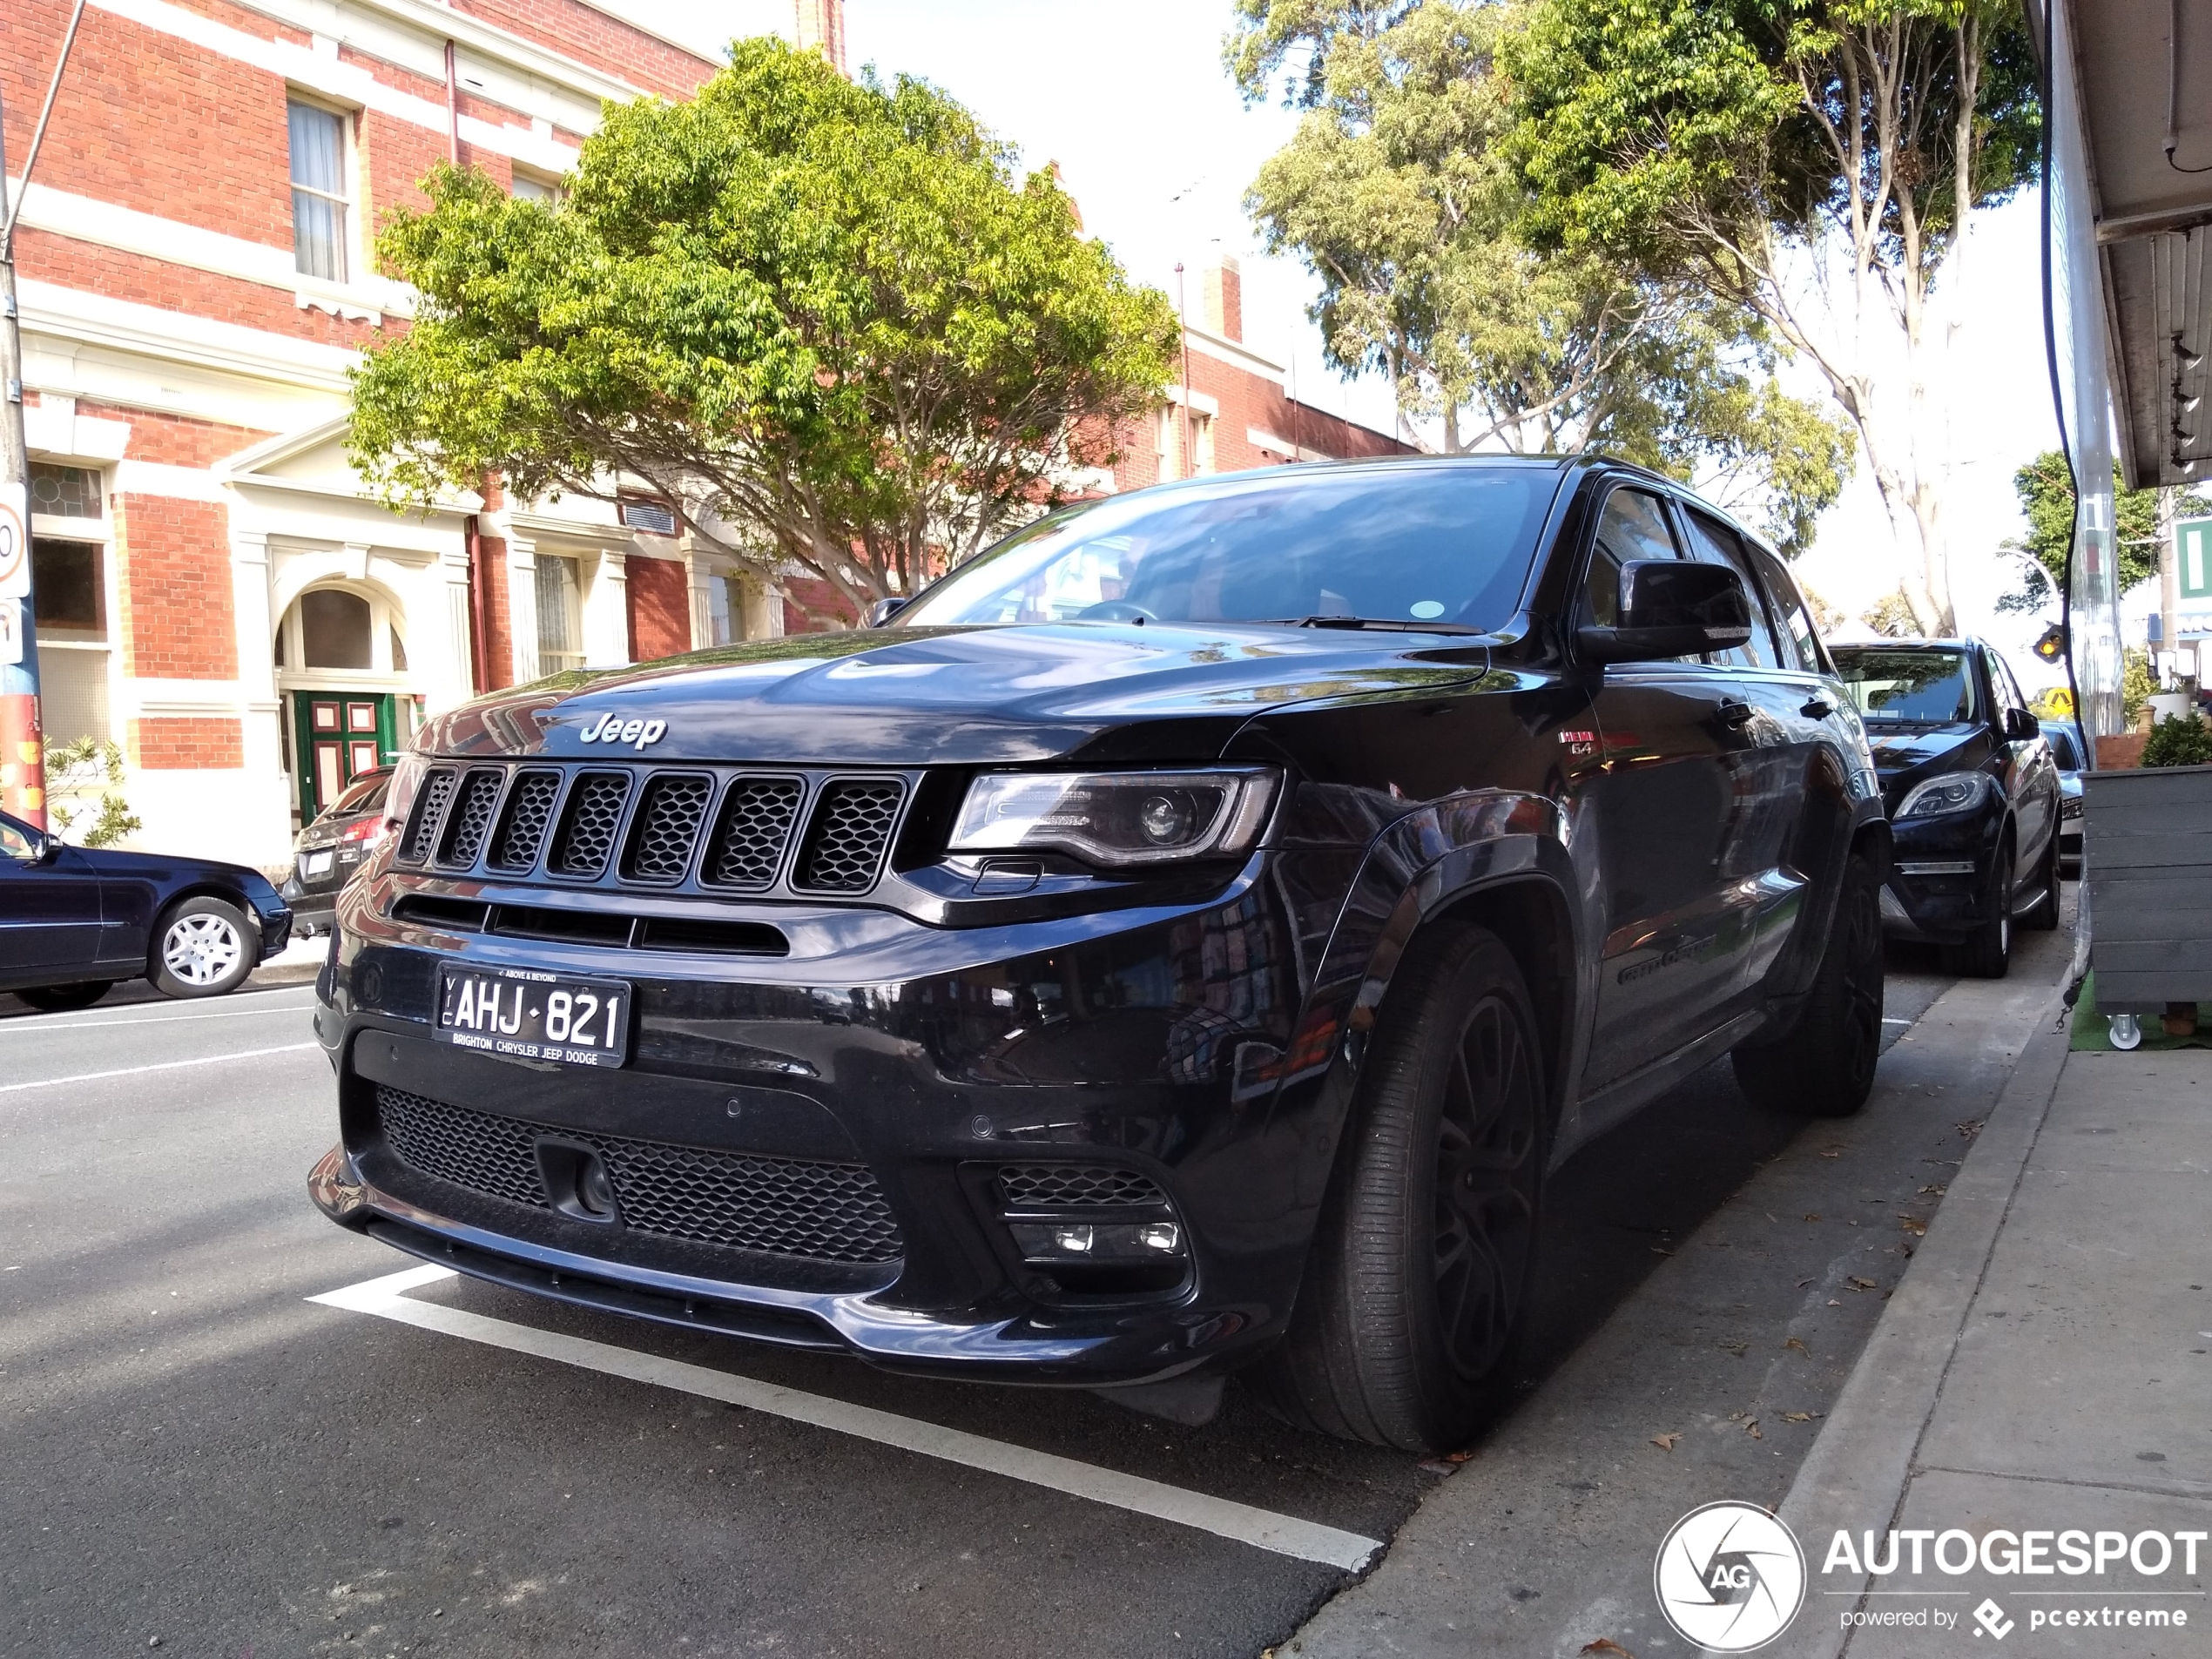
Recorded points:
(453, 108)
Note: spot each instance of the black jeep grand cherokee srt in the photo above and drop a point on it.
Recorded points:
(1183, 936)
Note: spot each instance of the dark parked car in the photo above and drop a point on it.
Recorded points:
(2066, 755)
(1186, 936)
(74, 920)
(1973, 795)
(330, 849)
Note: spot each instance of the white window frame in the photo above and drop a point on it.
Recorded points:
(349, 252)
(101, 532)
(558, 662)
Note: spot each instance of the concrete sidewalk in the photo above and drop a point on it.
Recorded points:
(2047, 1366)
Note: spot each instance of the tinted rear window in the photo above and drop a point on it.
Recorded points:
(363, 795)
(1908, 687)
(1446, 545)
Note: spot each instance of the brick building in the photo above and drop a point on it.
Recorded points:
(216, 591)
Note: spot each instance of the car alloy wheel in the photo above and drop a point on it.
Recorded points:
(202, 949)
(1485, 1188)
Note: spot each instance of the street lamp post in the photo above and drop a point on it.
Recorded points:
(23, 750)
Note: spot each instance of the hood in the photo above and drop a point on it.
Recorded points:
(1896, 753)
(1111, 693)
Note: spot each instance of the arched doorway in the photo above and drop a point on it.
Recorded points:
(342, 668)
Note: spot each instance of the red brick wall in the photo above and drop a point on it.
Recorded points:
(174, 440)
(187, 743)
(811, 606)
(174, 615)
(660, 608)
(88, 267)
(588, 34)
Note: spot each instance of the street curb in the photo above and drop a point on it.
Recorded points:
(1856, 1474)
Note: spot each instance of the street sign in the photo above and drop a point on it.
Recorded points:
(2192, 557)
(15, 541)
(10, 631)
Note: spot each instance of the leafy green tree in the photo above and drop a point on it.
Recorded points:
(1817, 161)
(2046, 491)
(84, 792)
(1396, 194)
(821, 319)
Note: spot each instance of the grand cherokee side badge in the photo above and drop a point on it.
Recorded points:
(637, 733)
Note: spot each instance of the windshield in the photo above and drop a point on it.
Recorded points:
(1908, 687)
(1443, 547)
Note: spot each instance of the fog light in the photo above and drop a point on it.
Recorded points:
(1044, 1243)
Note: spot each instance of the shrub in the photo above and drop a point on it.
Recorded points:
(2178, 740)
(83, 795)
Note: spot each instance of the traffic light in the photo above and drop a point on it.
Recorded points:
(2052, 647)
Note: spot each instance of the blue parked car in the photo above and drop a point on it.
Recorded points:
(2066, 749)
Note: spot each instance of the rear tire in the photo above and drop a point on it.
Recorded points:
(1824, 1066)
(1988, 954)
(2045, 917)
(202, 947)
(1416, 1291)
(66, 998)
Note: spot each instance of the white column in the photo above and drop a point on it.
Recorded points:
(444, 673)
(697, 578)
(606, 613)
(521, 606)
(257, 689)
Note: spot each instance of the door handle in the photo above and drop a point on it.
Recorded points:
(1817, 708)
(1734, 713)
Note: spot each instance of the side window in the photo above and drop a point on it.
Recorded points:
(1634, 526)
(1798, 640)
(1711, 542)
(15, 843)
(2001, 683)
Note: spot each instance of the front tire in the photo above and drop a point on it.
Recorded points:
(1988, 954)
(65, 999)
(1824, 1066)
(1416, 1293)
(2045, 917)
(201, 948)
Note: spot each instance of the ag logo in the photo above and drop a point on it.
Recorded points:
(1729, 1578)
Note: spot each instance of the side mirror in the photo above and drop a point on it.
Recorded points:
(883, 609)
(2021, 726)
(1671, 608)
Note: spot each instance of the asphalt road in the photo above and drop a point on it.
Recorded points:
(197, 1454)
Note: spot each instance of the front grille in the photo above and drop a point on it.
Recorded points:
(470, 821)
(668, 826)
(1078, 1186)
(430, 812)
(588, 832)
(778, 1206)
(756, 824)
(529, 812)
(852, 830)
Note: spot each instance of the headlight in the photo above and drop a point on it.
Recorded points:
(1954, 791)
(2069, 806)
(399, 799)
(1117, 818)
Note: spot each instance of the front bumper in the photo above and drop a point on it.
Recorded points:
(1940, 885)
(1147, 1044)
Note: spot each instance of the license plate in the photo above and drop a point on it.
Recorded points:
(535, 1017)
(314, 864)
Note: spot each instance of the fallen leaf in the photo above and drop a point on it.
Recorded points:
(1602, 1646)
(1457, 1457)
(1831, 1151)
(1858, 1284)
(1804, 1282)
(1812, 1215)
(1914, 1225)
(1934, 1190)
(1661, 1250)
(1665, 1443)
(1968, 1129)
(1799, 1416)
(1737, 1348)
(1752, 1429)
(1833, 1303)
(1799, 1346)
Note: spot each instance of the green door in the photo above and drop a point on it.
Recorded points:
(337, 737)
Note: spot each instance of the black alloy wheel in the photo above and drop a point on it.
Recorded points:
(1988, 954)
(1417, 1288)
(2050, 891)
(1823, 1065)
(65, 999)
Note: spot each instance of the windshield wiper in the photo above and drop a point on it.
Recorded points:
(1381, 625)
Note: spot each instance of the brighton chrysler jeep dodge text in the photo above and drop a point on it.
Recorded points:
(1184, 937)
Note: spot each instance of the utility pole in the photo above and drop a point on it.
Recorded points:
(22, 751)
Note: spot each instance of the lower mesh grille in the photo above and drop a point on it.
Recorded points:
(779, 1206)
(1077, 1186)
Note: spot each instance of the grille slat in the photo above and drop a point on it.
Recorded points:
(849, 836)
(468, 820)
(1078, 1186)
(529, 813)
(778, 1206)
(429, 814)
(669, 817)
(755, 827)
(587, 833)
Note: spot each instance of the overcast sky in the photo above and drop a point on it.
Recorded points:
(1129, 97)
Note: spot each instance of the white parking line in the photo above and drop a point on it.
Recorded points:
(1308, 1540)
(50, 1022)
(165, 1065)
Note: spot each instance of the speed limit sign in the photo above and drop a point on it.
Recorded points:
(15, 543)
